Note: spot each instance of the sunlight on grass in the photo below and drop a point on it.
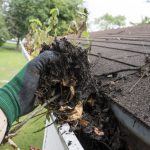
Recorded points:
(26, 137)
(9, 45)
(11, 61)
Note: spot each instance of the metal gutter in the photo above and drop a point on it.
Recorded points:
(133, 125)
(24, 51)
(59, 137)
(51, 138)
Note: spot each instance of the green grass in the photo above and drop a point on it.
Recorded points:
(26, 137)
(9, 45)
(11, 61)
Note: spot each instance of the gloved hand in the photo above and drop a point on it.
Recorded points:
(17, 97)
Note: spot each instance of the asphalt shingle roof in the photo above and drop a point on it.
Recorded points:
(124, 48)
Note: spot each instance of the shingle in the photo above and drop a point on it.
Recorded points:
(138, 101)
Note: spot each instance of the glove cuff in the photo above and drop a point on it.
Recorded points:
(10, 107)
(9, 97)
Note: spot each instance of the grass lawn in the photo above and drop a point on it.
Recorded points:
(26, 137)
(11, 61)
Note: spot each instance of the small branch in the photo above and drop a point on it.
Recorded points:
(44, 127)
(136, 83)
(114, 72)
(96, 61)
(37, 119)
(32, 118)
(33, 114)
(39, 114)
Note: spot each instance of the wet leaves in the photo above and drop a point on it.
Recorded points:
(72, 92)
(83, 123)
(76, 113)
(98, 131)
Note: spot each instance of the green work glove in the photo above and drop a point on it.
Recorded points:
(17, 97)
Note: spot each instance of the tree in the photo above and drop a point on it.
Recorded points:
(68, 11)
(3, 30)
(145, 20)
(108, 21)
(21, 11)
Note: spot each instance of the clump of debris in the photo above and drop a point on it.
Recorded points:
(70, 78)
(79, 101)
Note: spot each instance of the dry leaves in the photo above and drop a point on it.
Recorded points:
(76, 112)
(83, 123)
(98, 131)
(72, 92)
(91, 101)
(65, 108)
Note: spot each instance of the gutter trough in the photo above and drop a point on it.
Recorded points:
(136, 132)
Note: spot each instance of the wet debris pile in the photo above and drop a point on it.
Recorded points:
(70, 78)
(80, 102)
(98, 128)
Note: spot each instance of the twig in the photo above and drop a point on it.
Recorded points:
(39, 114)
(32, 118)
(136, 82)
(16, 123)
(114, 72)
(96, 61)
(13, 144)
(33, 114)
(38, 118)
(44, 127)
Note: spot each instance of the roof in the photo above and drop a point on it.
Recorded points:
(118, 49)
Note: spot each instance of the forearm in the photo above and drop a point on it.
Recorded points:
(3, 125)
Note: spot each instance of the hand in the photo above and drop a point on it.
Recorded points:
(3, 125)
(17, 97)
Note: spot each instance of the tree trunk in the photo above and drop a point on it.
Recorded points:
(18, 40)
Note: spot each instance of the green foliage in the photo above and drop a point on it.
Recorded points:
(108, 21)
(19, 14)
(53, 22)
(40, 33)
(45, 33)
(21, 11)
(4, 35)
(68, 11)
(85, 34)
(145, 20)
(79, 25)
(119, 20)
